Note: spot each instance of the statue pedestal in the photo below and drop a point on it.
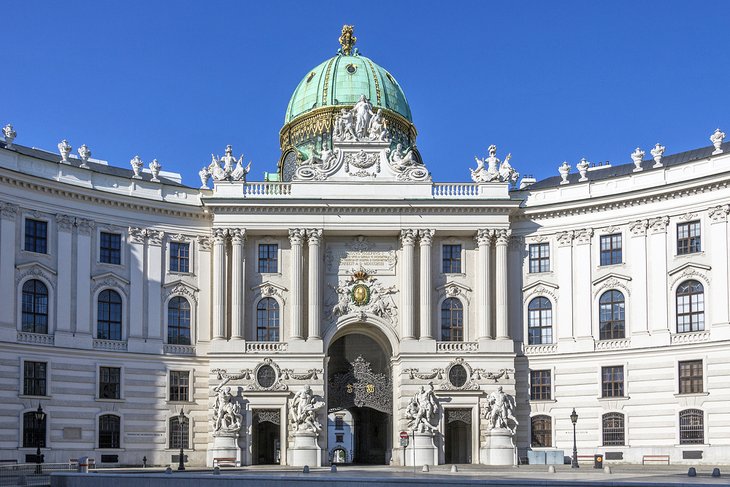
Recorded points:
(422, 451)
(306, 451)
(225, 445)
(499, 448)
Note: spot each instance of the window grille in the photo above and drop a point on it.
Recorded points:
(691, 427)
(613, 429)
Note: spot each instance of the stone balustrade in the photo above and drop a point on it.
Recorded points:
(266, 347)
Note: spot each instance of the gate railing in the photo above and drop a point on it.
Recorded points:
(30, 473)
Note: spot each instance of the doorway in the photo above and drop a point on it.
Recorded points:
(458, 435)
(266, 444)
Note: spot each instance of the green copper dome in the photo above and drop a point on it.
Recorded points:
(341, 80)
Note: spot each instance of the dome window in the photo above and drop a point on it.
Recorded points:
(351, 68)
(311, 75)
(390, 78)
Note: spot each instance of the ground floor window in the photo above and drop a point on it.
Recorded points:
(542, 431)
(109, 431)
(613, 429)
(691, 427)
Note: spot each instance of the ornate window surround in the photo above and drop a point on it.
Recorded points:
(452, 241)
(192, 247)
(268, 289)
(461, 292)
(181, 289)
(111, 281)
(268, 240)
(27, 272)
(686, 272)
(51, 230)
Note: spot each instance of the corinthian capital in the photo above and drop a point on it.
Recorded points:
(638, 228)
(314, 236)
(584, 236)
(296, 236)
(8, 210)
(719, 213)
(137, 235)
(85, 226)
(219, 235)
(154, 237)
(566, 238)
(408, 236)
(425, 236)
(659, 225)
(502, 236)
(238, 235)
(484, 236)
(64, 222)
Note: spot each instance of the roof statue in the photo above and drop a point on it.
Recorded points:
(347, 40)
(496, 171)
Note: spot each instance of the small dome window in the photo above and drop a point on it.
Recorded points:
(351, 68)
(390, 78)
(311, 75)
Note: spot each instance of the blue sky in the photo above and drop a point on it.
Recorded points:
(546, 81)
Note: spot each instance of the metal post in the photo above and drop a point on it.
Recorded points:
(414, 452)
(574, 462)
(38, 418)
(180, 421)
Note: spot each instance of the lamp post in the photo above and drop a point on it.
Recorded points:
(39, 416)
(574, 419)
(180, 422)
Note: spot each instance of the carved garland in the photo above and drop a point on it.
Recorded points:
(540, 291)
(690, 273)
(181, 289)
(611, 283)
(36, 272)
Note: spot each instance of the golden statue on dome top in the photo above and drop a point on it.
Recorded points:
(347, 40)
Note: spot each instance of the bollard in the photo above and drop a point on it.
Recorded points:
(607, 469)
(305, 469)
(83, 465)
(168, 471)
(216, 471)
(454, 469)
(551, 469)
(333, 468)
(691, 472)
(425, 468)
(715, 472)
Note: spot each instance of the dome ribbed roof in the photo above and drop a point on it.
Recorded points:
(341, 80)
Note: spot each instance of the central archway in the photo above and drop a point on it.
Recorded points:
(359, 400)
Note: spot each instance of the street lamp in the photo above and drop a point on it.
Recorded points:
(39, 416)
(574, 419)
(180, 421)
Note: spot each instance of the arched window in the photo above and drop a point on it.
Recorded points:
(613, 429)
(691, 427)
(109, 431)
(452, 320)
(612, 315)
(690, 307)
(179, 436)
(109, 315)
(541, 427)
(267, 320)
(539, 321)
(35, 306)
(33, 431)
(178, 321)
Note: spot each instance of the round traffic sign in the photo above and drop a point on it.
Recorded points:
(404, 434)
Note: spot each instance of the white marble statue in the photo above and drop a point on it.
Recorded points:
(657, 152)
(84, 154)
(400, 160)
(215, 169)
(137, 165)
(490, 170)
(155, 168)
(637, 156)
(227, 417)
(303, 411)
(564, 171)
(377, 130)
(423, 410)
(500, 410)
(716, 138)
(9, 133)
(65, 149)
(204, 175)
(232, 169)
(506, 172)
(582, 167)
(363, 111)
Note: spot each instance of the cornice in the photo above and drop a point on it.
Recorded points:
(608, 203)
(241, 208)
(56, 188)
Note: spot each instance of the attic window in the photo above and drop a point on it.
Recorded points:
(351, 68)
(390, 78)
(311, 75)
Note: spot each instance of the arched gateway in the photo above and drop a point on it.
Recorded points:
(359, 400)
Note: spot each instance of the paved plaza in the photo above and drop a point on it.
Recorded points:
(354, 476)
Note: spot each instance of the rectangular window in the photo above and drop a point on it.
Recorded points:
(540, 385)
(179, 385)
(110, 248)
(612, 381)
(539, 257)
(34, 378)
(611, 249)
(110, 383)
(688, 238)
(36, 236)
(268, 258)
(179, 257)
(452, 259)
(690, 377)
(179, 433)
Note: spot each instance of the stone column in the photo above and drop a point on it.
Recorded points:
(718, 249)
(155, 265)
(296, 238)
(484, 306)
(657, 265)
(204, 308)
(314, 237)
(219, 283)
(137, 237)
(425, 240)
(582, 312)
(502, 239)
(64, 223)
(563, 319)
(238, 237)
(8, 247)
(83, 276)
(408, 240)
(637, 253)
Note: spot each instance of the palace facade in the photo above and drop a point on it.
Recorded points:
(126, 297)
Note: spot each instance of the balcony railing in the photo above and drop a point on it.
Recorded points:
(110, 344)
(179, 349)
(613, 344)
(455, 190)
(266, 347)
(691, 337)
(266, 190)
(35, 338)
(540, 349)
(446, 347)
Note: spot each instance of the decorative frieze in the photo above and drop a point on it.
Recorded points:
(137, 235)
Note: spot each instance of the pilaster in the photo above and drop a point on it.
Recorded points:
(64, 224)
(657, 276)
(639, 325)
(8, 214)
(296, 238)
(502, 241)
(564, 267)
(582, 306)
(238, 238)
(154, 284)
(426, 312)
(314, 298)
(219, 283)
(83, 276)
(137, 239)
(408, 239)
(484, 239)
(718, 250)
